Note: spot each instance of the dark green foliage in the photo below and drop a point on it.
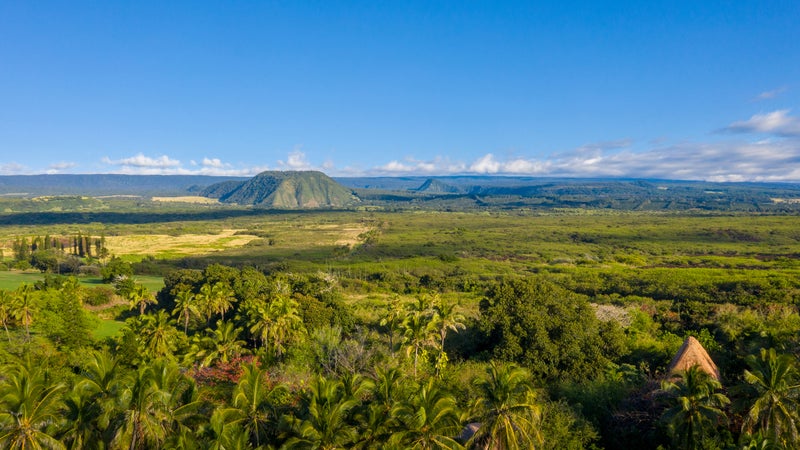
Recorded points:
(99, 296)
(116, 269)
(62, 319)
(550, 330)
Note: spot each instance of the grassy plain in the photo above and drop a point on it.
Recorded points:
(580, 244)
(187, 199)
(11, 279)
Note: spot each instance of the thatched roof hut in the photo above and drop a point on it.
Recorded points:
(691, 354)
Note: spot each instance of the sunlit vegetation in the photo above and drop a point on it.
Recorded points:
(415, 329)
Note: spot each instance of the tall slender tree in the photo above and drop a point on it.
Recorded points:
(140, 297)
(420, 331)
(24, 309)
(448, 318)
(254, 402)
(6, 311)
(185, 306)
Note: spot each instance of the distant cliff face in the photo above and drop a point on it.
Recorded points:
(433, 186)
(278, 189)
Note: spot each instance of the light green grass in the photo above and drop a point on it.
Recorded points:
(12, 279)
(107, 328)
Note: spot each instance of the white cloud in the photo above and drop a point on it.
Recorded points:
(140, 164)
(768, 95)
(12, 168)
(415, 166)
(296, 160)
(485, 164)
(140, 160)
(765, 160)
(777, 122)
(59, 167)
(214, 163)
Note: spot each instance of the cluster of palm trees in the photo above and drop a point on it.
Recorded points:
(768, 401)
(156, 405)
(423, 326)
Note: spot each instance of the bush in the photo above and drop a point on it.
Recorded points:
(115, 269)
(99, 296)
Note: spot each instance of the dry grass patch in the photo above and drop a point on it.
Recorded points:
(350, 235)
(185, 244)
(187, 199)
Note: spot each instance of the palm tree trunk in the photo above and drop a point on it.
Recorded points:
(134, 434)
(416, 351)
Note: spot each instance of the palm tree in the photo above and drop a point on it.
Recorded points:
(23, 307)
(379, 421)
(696, 407)
(94, 396)
(182, 398)
(205, 302)
(419, 333)
(184, 307)
(326, 412)
(221, 344)
(429, 419)
(393, 318)
(223, 298)
(140, 297)
(224, 431)
(447, 318)
(276, 323)
(775, 387)
(141, 419)
(253, 405)
(6, 311)
(156, 334)
(81, 413)
(507, 410)
(29, 409)
(215, 298)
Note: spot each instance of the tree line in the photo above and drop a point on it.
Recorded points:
(57, 254)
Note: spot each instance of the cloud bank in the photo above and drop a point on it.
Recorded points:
(765, 147)
(728, 161)
(778, 123)
(141, 164)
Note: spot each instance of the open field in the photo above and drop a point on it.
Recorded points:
(645, 279)
(187, 199)
(11, 279)
(393, 251)
(163, 245)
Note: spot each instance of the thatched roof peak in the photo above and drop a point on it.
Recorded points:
(691, 354)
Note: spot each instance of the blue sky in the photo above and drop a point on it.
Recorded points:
(686, 90)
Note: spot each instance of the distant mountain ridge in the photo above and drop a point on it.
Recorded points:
(434, 186)
(293, 190)
(107, 184)
(284, 189)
